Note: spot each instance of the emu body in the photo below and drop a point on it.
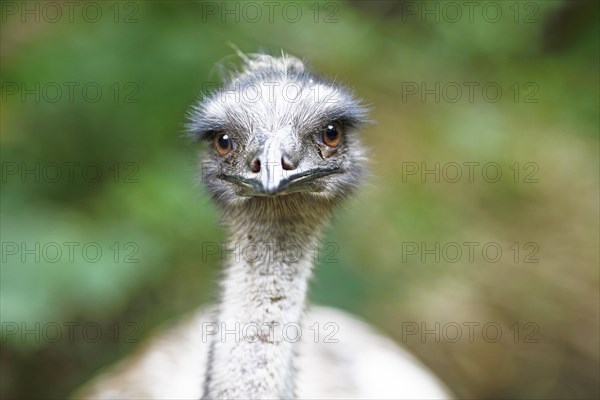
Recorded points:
(282, 153)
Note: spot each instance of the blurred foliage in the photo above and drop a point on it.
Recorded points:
(169, 55)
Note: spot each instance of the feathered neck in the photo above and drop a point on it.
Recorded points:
(268, 263)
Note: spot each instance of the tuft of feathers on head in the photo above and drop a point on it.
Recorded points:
(265, 66)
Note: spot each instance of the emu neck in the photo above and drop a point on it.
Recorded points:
(268, 263)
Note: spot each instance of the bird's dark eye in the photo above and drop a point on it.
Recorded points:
(223, 144)
(332, 134)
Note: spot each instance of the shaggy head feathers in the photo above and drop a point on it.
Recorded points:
(278, 100)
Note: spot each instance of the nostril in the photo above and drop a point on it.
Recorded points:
(255, 166)
(286, 165)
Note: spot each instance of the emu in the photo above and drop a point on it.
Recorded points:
(282, 154)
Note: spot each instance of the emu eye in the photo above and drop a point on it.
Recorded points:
(332, 134)
(223, 144)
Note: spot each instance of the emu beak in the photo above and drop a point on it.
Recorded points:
(273, 175)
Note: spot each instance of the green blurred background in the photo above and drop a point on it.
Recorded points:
(152, 60)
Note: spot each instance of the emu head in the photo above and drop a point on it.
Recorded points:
(276, 133)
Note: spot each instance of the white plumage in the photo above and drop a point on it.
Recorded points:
(362, 365)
